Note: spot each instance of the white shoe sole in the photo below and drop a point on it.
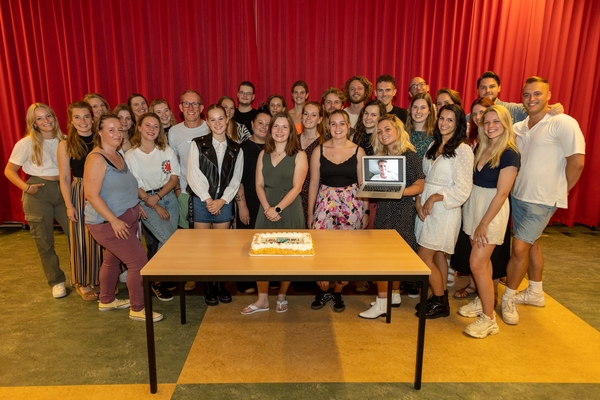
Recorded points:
(491, 331)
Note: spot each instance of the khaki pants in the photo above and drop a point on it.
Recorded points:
(41, 209)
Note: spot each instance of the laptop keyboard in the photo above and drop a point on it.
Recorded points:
(381, 188)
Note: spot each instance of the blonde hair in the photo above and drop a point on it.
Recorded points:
(506, 141)
(34, 132)
(136, 139)
(400, 146)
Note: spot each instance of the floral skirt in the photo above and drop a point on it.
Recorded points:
(338, 208)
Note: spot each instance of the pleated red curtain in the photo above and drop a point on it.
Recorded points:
(56, 51)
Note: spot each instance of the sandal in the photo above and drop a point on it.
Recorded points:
(251, 309)
(89, 295)
(465, 293)
(282, 306)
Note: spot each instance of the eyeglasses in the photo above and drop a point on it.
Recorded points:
(187, 104)
(244, 94)
(420, 85)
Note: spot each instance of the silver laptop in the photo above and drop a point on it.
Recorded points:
(383, 177)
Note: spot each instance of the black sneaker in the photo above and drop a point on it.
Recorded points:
(320, 300)
(338, 302)
(161, 291)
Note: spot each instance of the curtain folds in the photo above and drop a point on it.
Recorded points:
(55, 51)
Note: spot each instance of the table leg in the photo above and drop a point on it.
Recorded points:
(150, 336)
(182, 302)
(388, 309)
(421, 333)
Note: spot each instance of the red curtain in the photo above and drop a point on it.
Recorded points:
(56, 51)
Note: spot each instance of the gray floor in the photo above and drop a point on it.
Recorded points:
(46, 342)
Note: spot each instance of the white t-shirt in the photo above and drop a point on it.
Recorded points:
(389, 176)
(353, 117)
(180, 140)
(544, 151)
(21, 155)
(152, 170)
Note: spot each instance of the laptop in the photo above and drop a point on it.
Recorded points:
(383, 177)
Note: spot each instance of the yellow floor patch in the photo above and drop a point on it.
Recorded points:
(113, 392)
(549, 344)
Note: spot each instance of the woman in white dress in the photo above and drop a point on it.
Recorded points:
(448, 167)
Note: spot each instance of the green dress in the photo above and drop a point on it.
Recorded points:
(278, 182)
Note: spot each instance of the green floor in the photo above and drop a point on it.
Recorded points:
(48, 342)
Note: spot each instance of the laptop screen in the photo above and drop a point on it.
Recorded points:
(383, 169)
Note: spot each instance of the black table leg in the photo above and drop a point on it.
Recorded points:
(182, 302)
(150, 336)
(421, 333)
(388, 308)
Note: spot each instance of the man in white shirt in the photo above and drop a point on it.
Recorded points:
(384, 173)
(552, 157)
(357, 90)
(180, 140)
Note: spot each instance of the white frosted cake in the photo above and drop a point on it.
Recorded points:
(282, 244)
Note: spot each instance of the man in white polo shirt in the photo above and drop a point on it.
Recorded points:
(552, 157)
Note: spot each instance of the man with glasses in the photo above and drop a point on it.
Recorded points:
(245, 114)
(180, 140)
(417, 85)
(357, 90)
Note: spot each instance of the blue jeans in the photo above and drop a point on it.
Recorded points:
(162, 229)
(529, 219)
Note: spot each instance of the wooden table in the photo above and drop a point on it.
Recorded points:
(223, 255)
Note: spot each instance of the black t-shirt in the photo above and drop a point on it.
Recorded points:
(245, 118)
(488, 176)
(401, 113)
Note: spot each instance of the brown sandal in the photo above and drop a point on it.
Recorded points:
(465, 293)
(89, 295)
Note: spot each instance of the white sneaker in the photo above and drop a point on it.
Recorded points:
(59, 290)
(510, 314)
(376, 311)
(451, 273)
(396, 299)
(483, 326)
(141, 315)
(472, 309)
(116, 304)
(530, 298)
(123, 277)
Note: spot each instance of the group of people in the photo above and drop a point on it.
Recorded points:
(279, 169)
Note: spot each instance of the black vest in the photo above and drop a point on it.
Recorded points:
(209, 165)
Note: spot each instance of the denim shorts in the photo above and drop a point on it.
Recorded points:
(201, 213)
(529, 219)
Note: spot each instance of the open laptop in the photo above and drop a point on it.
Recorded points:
(383, 177)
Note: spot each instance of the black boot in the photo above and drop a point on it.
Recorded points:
(222, 293)
(210, 294)
(439, 307)
(429, 300)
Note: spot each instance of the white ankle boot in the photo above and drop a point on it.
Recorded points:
(376, 311)
(396, 299)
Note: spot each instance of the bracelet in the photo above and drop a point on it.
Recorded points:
(158, 196)
(27, 190)
(176, 189)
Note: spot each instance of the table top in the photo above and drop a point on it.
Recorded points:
(206, 252)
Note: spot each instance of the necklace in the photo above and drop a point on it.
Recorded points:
(87, 143)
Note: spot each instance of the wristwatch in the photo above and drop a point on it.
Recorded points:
(278, 209)
(367, 212)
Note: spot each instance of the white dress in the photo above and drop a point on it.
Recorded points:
(452, 178)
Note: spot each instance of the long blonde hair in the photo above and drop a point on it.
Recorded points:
(505, 142)
(401, 145)
(33, 131)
